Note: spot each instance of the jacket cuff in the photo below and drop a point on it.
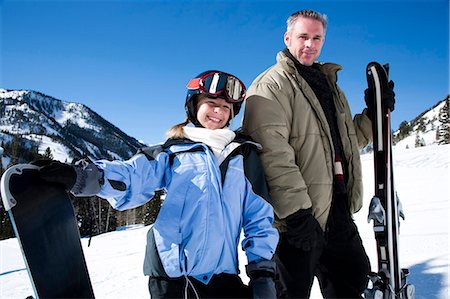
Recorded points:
(265, 268)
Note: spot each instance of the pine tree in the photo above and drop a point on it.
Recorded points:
(6, 230)
(152, 208)
(16, 150)
(421, 127)
(404, 130)
(48, 153)
(443, 133)
(419, 141)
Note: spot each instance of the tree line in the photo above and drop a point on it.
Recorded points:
(94, 215)
(419, 125)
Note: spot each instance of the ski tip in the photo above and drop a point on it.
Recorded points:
(378, 67)
(373, 64)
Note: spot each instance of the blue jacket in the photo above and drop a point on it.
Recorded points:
(206, 207)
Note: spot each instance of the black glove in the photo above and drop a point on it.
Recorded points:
(81, 179)
(57, 172)
(303, 230)
(388, 97)
(262, 279)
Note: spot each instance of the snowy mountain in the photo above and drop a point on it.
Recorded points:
(424, 129)
(69, 130)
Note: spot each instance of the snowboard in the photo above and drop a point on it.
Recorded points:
(45, 225)
(385, 209)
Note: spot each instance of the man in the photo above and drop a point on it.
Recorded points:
(310, 155)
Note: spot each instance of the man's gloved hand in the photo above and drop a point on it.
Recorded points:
(81, 179)
(388, 97)
(262, 279)
(303, 230)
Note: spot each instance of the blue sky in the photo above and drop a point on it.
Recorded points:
(130, 61)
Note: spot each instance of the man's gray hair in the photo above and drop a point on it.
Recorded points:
(309, 14)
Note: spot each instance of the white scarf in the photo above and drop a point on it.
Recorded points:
(217, 139)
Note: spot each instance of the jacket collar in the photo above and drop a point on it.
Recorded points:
(328, 68)
(185, 144)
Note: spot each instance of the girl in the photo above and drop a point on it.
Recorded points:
(215, 188)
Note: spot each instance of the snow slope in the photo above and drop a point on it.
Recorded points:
(422, 177)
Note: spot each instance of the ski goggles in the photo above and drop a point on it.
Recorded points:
(217, 83)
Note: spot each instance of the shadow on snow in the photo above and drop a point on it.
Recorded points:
(428, 284)
(12, 271)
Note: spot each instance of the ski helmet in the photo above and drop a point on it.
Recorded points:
(214, 84)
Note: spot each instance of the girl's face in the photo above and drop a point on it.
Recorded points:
(213, 113)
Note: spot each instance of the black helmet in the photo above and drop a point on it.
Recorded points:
(214, 84)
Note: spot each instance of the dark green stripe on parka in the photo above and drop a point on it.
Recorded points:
(283, 114)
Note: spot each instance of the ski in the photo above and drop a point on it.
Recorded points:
(45, 225)
(384, 210)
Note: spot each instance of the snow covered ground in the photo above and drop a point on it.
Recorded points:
(423, 183)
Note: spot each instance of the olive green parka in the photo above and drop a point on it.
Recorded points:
(283, 114)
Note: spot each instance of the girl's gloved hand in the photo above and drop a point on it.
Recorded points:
(82, 179)
(262, 279)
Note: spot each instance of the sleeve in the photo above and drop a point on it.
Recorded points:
(260, 237)
(268, 123)
(132, 183)
(363, 128)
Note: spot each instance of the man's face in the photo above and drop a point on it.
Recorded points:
(305, 40)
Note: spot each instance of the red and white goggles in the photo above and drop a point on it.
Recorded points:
(217, 84)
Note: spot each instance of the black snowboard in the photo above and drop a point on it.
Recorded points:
(46, 228)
